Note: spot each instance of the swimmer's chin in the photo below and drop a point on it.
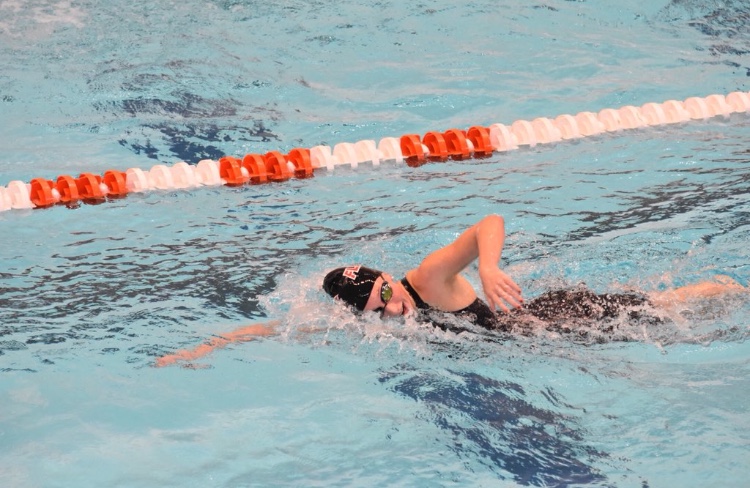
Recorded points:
(405, 313)
(408, 312)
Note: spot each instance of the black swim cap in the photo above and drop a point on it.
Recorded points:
(352, 284)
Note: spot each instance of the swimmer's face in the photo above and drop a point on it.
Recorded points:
(389, 297)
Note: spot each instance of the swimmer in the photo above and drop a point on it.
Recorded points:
(436, 289)
(437, 285)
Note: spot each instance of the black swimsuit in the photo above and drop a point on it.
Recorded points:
(558, 310)
(478, 313)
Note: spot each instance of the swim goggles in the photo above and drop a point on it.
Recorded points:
(386, 293)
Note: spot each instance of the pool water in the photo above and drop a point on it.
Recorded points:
(91, 296)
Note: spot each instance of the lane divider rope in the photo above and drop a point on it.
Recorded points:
(456, 144)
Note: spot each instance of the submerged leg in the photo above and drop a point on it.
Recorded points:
(722, 285)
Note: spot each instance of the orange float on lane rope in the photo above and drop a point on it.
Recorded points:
(276, 165)
(480, 138)
(68, 189)
(300, 158)
(458, 148)
(88, 187)
(412, 150)
(116, 182)
(256, 166)
(230, 170)
(437, 146)
(41, 193)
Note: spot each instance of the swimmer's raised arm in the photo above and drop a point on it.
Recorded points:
(438, 277)
(243, 334)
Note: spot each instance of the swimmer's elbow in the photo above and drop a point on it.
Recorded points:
(492, 222)
(495, 220)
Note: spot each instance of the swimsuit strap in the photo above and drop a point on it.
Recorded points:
(421, 304)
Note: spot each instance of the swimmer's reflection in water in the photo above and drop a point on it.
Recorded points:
(436, 289)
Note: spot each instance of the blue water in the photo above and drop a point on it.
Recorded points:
(89, 297)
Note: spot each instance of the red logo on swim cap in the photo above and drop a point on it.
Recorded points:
(351, 272)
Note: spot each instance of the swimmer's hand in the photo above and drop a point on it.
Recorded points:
(500, 289)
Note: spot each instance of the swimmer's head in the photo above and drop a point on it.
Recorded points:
(352, 284)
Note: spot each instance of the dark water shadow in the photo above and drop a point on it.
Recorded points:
(489, 422)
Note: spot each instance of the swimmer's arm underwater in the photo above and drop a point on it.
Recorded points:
(243, 334)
